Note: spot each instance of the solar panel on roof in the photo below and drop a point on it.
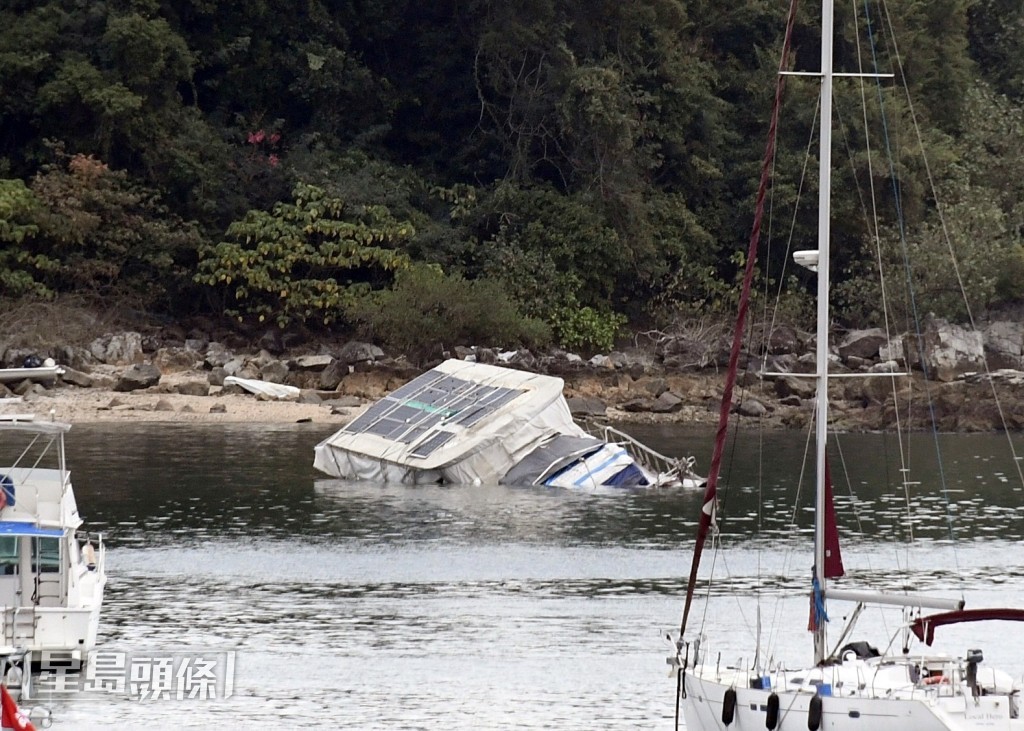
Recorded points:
(426, 401)
(431, 444)
(468, 417)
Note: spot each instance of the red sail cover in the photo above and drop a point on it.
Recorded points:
(833, 558)
(924, 627)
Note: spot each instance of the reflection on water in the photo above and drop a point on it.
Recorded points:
(364, 606)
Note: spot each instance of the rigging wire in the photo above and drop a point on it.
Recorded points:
(903, 448)
(876, 239)
(908, 270)
(949, 245)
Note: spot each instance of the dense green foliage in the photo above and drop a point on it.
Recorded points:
(80, 227)
(587, 165)
(428, 310)
(305, 260)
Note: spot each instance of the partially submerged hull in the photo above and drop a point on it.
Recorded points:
(470, 423)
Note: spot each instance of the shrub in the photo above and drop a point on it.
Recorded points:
(427, 310)
(84, 228)
(584, 328)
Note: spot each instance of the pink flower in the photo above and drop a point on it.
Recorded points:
(275, 138)
(256, 137)
(274, 160)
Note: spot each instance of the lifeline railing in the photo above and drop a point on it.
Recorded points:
(669, 471)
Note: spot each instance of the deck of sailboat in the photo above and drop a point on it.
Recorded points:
(876, 695)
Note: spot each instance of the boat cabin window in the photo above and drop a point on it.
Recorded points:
(46, 555)
(8, 555)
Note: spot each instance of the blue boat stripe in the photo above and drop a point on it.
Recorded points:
(600, 467)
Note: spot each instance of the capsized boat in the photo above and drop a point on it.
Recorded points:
(472, 423)
(851, 685)
(52, 575)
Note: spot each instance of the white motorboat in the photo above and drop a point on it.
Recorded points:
(52, 575)
(850, 685)
(472, 423)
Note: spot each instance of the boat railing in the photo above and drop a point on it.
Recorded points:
(19, 625)
(669, 471)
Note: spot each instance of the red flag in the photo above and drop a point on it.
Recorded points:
(10, 716)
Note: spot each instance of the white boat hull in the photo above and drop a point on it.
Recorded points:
(864, 707)
(62, 630)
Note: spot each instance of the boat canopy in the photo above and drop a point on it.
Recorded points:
(924, 627)
(20, 528)
(460, 422)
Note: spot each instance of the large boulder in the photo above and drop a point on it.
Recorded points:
(357, 352)
(77, 378)
(176, 360)
(667, 403)
(371, 385)
(864, 344)
(274, 371)
(118, 349)
(193, 388)
(217, 356)
(784, 339)
(331, 376)
(312, 362)
(586, 406)
(138, 377)
(951, 350)
(1004, 344)
(803, 388)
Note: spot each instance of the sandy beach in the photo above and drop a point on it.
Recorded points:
(160, 403)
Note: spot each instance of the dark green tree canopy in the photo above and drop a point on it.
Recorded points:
(595, 162)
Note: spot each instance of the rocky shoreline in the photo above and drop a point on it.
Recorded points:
(974, 380)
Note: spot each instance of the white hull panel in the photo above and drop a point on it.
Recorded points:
(702, 710)
(66, 629)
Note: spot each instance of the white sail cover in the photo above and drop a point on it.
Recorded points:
(460, 422)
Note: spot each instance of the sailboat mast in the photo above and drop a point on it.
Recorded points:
(821, 352)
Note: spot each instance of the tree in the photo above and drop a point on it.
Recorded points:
(18, 265)
(978, 218)
(306, 261)
(109, 236)
(996, 36)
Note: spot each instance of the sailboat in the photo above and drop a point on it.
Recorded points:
(850, 685)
